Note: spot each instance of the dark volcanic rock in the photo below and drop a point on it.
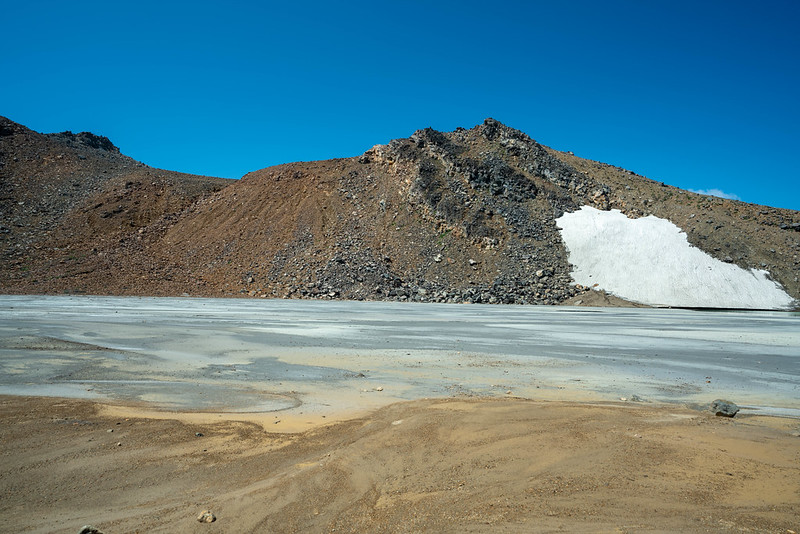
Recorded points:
(724, 408)
(86, 139)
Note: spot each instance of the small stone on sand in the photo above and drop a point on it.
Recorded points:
(206, 517)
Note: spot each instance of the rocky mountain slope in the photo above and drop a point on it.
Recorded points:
(463, 216)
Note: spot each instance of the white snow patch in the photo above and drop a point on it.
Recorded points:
(649, 260)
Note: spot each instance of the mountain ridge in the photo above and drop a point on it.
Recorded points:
(462, 216)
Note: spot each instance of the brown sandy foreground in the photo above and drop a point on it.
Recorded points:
(448, 465)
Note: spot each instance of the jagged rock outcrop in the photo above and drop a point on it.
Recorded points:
(87, 139)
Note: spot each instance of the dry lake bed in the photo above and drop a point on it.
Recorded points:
(326, 358)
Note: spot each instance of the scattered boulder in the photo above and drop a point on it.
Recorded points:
(206, 517)
(89, 529)
(724, 408)
(632, 398)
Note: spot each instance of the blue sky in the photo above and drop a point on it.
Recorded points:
(701, 95)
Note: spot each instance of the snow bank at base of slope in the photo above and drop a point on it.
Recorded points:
(649, 260)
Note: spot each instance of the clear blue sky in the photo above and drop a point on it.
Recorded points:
(701, 95)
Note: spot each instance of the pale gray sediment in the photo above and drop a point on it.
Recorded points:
(287, 355)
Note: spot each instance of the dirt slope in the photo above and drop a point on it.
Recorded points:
(71, 204)
(463, 216)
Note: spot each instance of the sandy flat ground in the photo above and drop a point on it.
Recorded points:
(448, 465)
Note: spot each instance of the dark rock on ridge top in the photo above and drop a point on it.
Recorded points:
(86, 139)
(9, 127)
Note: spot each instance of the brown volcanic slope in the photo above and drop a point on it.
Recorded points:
(462, 216)
(71, 207)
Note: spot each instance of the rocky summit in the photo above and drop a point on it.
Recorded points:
(462, 216)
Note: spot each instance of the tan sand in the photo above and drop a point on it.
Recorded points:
(450, 465)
